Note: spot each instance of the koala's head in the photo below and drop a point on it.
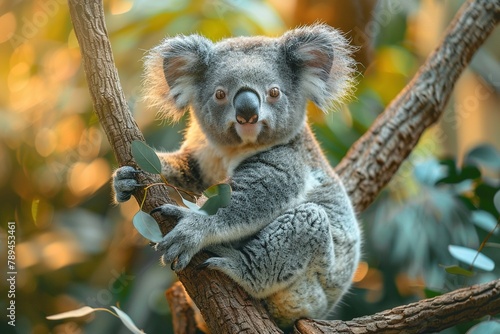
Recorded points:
(249, 90)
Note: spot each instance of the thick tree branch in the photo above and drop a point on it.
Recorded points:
(375, 157)
(365, 170)
(426, 316)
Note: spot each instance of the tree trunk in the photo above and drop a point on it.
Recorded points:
(365, 170)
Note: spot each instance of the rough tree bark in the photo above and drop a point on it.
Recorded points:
(426, 316)
(366, 169)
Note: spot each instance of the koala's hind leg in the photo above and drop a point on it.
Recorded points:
(280, 253)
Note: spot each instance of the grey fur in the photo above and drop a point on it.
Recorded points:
(289, 235)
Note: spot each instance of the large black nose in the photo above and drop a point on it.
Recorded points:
(247, 104)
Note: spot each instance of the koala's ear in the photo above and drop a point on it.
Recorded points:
(321, 56)
(171, 72)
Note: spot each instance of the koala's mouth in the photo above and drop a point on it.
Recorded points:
(248, 133)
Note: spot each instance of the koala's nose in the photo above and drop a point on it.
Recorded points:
(247, 104)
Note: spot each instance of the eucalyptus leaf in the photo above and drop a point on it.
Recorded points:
(485, 327)
(471, 257)
(146, 225)
(216, 189)
(484, 220)
(457, 270)
(146, 157)
(127, 321)
(219, 196)
(496, 201)
(486, 155)
(82, 311)
(430, 171)
(193, 206)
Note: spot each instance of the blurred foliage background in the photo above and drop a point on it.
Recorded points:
(74, 247)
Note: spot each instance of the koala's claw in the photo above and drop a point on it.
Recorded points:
(169, 210)
(172, 265)
(124, 183)
(155, 210)
(177, 262)
(202, 266)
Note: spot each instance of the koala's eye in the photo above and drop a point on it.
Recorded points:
(220, 94)
(274, 92)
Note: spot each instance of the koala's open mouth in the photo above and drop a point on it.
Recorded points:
(248, 132)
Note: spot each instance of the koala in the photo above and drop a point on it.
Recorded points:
(289, 235)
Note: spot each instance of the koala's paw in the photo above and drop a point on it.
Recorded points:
(184, 241)
(124, 183)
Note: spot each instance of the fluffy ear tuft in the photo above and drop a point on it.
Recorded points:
(322, 57)
(171, 72)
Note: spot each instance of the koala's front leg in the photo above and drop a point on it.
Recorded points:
(263, 185)
(186, 239)
(179, 169)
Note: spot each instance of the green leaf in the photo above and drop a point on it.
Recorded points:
(147, 226)
(485, 327)
(496, 201)
(127, 321)
(456, 270)
(82, 311)
(472, 257)
(486, 155)
(219, 196)
(146, 157)
(192, 206)
(484, 220)
(213, 190)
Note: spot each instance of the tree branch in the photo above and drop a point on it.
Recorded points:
(426, 316)
(183, 315)
(107, 95)
(365, 170)
(376, 156)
